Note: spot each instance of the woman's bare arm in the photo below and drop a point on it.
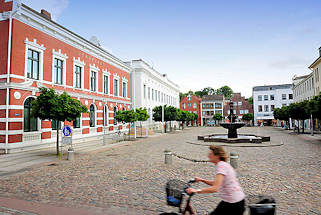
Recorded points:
(208, 182)
(215, 185)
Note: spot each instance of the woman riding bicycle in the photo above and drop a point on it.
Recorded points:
(225, 182)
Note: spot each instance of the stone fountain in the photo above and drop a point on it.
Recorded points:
(232, 136)
(232, 126)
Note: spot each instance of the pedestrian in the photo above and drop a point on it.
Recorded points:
(225, 182)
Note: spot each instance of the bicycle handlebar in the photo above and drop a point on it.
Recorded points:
(192, 181)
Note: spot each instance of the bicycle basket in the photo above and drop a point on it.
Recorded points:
(174, 191)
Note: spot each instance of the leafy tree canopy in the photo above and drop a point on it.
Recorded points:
(248, 117)
(225, 90)
(127, 116)
(49, 105)
(217, 117)
(142, 114)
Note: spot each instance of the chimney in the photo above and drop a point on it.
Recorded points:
(46, 14)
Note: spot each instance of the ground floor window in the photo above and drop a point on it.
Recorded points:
(30, 123)
(105, 115)
(54, 125)
(76, 123)
(92, 116)
(115, 112)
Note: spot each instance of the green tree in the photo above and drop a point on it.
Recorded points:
(49, 105)
(217, 117)
(173, 114)
(128, 116)
(170, 114)
(225, 90)
(142, 116)
(299, 111)
(182, 117)
(205, 91)
(248, 117)
(190, 117)
(195, 117)
(250, 100)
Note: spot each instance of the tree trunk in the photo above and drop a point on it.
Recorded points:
(57, 146)
(302, 126)
(298, 126)
(129, 132)
(141, 129)
(165, 127)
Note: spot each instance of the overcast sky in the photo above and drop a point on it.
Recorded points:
(201, 43)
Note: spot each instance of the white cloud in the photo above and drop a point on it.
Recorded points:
(55, 7)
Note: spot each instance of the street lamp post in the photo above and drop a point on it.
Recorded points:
(311, 126)
(163, 118)
(133, 96)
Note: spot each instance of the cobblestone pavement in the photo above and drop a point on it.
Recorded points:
(130, 179)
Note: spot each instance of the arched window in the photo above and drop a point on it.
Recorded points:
(30, 123)
(92, 120)
(106, 115)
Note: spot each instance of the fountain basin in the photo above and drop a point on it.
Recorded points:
(242, 138)
(232, 128)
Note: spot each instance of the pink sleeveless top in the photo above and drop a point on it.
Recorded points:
(230, 190)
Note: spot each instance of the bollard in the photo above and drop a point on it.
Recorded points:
(168, 157)
(70, 155)
(233, 160)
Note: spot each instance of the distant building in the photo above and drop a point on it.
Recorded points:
(192, 104)
(267, 98)
(303, 87)
(151, 88)
(210, 105)
(316, 70)
(240, 104)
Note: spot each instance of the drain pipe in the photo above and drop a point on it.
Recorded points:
(8, 78)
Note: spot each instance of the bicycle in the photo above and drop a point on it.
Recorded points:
(175, 191)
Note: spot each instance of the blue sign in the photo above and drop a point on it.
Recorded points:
(66, 130)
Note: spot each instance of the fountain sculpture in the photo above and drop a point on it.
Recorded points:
(232, 126)
(232, 136)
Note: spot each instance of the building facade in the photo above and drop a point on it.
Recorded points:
(316, 73)
(192, 104)
(303, 87)
(240, 104)
(210, 105)
(37, 52)
(151, 88)
(267, 98)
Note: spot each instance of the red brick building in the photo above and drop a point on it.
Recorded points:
(240, 104)
(192, 104)
(36, 51)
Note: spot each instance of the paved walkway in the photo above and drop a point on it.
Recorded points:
(130, 179)
(16, 163)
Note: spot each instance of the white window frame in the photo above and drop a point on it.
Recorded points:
(106, 73)
(36, 47)
(63, 57)
(93, 68)
(116, 77)
(107, 108)
(96, 114)
(124, 80)
(81, 64)
(80, 123)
